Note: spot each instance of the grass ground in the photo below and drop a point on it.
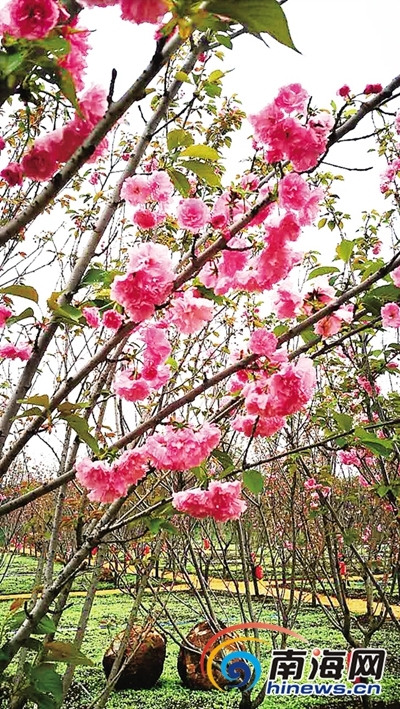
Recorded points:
(107, 618)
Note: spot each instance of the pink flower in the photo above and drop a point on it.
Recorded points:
(145, 218)
(22, 352)
(189, 313)
(130, 387)
(390, 314)
(344, 91)
(320, 290)
(94, 178)
(132, 466)
(192, 214)
(75, 60)
(294, 191)
(258, 425)
(112, 320)
(372, 89)
(290, 389)
(224, 501)
(396, 276)
(32, 19)
(292, 98)
(161, 187)
(147, 283)
(287, 301)
(93, 104)
(192, 502)
(136, 189)
(92, 316)
(140, 11)
(103, 481)
(40, 163)
(263, 342)
(221, 501)
(158, 347)
(182, 448)
(4, 314)
(2, 143)
(250, 181)
(12, 174)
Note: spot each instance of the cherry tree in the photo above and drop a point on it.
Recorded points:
(147, 361)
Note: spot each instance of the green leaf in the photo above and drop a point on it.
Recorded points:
(344, 421)
(386, 293)
(154, 524)
(32, 411)
(172, 363)
(209, 293)
(46, 680)
(33, 644)
(66, 652)
(182, 76)
(253, 480)
(216, 75)
(379, 446)
(56, 45)
(27, 313)
(67, 86)
(224, 40)
(22, 291)
(45, 626)
(345, 249)
(9, 63)
(308, 335)
(257, 16)
(179, 137)
(38, 400)
(382, 490)
(81, 427)
(203, 170)
(222, 457)
(200, 473)
(96, 275)
(205, 152)
(322, 222)
(322, 271)
(181, 182)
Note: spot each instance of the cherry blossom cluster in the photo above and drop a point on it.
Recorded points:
(49, 151)
(289, 303)
(137, 11)
(182, 448)
(279, 128)
(269, 399)
(315, 490)
(109, 482)
(390, 312)
(136, 386)
(221, 501)
(36, 19)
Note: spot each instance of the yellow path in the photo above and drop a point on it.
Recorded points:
(355, 605)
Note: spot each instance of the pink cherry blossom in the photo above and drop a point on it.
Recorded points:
(136, 189)
(290, 389)
(221, 501)
(192, 214)
(145, 218)
(390, 314)
(190, 313)
(92, 316)
(293, 191)
(292, 98)
(396, 276)
(32, 19)
(22, 352)
(158, 347)
(250, 181)
(372, 89)
(140, 11)
(4, 314)
(132, 465)
(182, 448)
(224, 501)
(2, 143)
(39, 163)
(344, 91)
(161, 187)
(256, 425)
(98, 477)
(147, 283)
(263, 342)
(12, 174)
(287, 301)
(75, 61)
(112, 319)
(130, 387)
